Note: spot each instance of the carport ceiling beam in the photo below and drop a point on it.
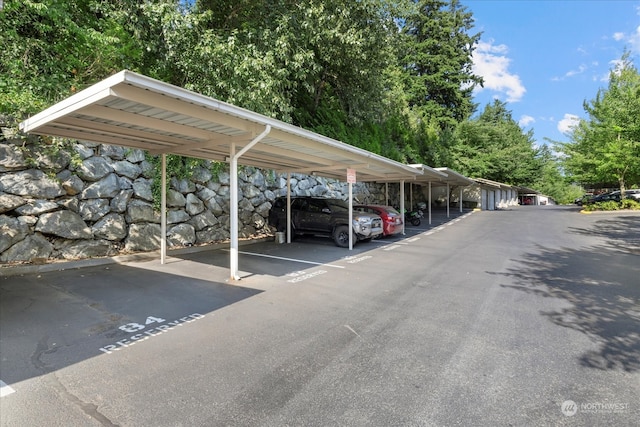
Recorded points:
(394, 179)
(117, 131)
(334, 167)
(140, 120)
(65, 107)
(278, 154)
(248, 160)
(147, 97)
(218, 141)
(123, 140)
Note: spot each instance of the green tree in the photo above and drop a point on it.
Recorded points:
(552, 181)
(287, 59)
(327, 66)
(605, 147)
(436, 57)
(51, 49)
(330, 66)
(493, 146)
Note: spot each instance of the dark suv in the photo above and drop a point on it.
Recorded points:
(326, 217)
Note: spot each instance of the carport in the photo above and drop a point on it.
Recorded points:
(441, 177)
(132, 110)
(529, 196)
(456, 179)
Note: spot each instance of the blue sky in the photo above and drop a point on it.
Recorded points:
(546, 57)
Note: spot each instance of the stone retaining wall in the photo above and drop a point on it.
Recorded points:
(96, 200)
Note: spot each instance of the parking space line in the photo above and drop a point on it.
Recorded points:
(5, 390)
(289, 259)
(379, 242)
(387, 243)
(390, 248)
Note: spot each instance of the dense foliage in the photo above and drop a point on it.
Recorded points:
(393, 77)
(51, 49)
(493, 146)
(605, 147)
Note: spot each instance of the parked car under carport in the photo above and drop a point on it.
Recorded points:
(392, 222)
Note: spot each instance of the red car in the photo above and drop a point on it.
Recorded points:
(391, 218)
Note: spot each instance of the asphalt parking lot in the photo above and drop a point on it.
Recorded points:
(479, 319)
(61, 314)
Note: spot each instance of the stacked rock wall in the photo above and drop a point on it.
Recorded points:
(96, 200)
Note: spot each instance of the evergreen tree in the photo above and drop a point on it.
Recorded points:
(436, 57)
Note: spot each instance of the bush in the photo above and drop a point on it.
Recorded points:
(611, 205)
(630, 204)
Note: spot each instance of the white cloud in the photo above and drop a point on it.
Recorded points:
(490, 62)
(616, 66)
(567, 124)
(631, 40)
(581, 69)
(526, 120)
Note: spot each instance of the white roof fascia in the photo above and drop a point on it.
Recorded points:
(455, 177)
(429, 172)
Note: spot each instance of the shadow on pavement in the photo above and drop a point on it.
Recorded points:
(304, 252)
(52, 320)
(622, 232)
(604, 297)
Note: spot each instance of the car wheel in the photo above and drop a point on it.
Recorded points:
(341, 236)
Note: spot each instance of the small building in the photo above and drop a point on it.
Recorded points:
(529, 196)
(491, 195)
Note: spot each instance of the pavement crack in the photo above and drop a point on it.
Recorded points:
(41, 348)
(88, 408)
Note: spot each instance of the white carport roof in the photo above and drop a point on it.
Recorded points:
(527, 191)
(455, 178)
(491, 183)
(440, 176)
(132, 110)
